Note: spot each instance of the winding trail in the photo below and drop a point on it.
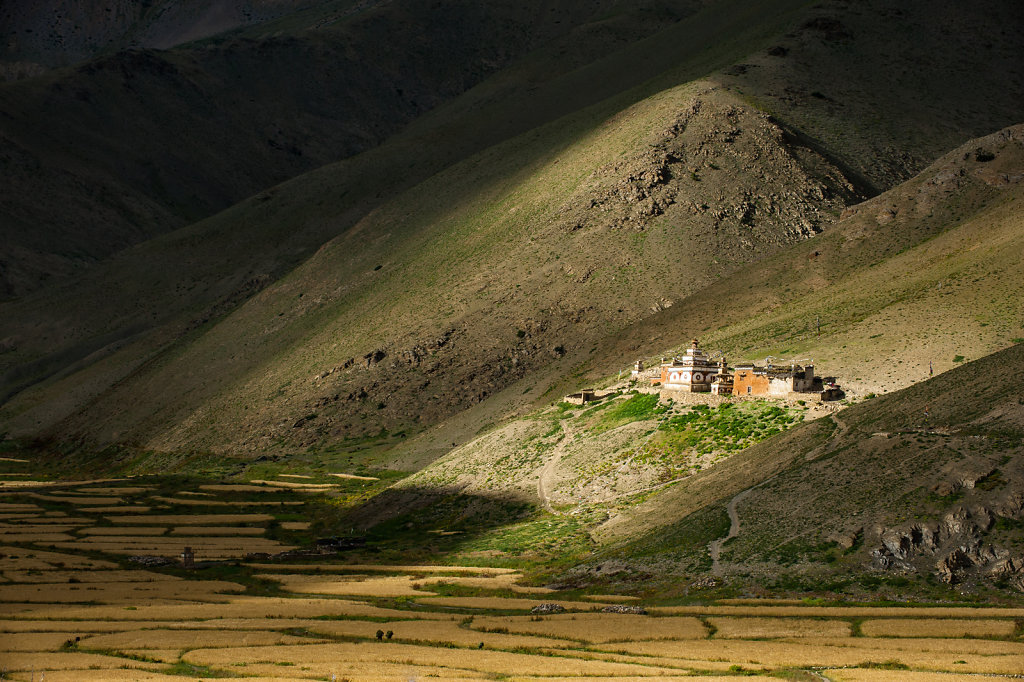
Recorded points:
(548, 471)
(715, 546)
(544, 479)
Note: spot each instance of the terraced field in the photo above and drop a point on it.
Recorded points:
(101, 595)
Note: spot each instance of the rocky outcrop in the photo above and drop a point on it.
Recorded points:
(778, 190)
(955, 548)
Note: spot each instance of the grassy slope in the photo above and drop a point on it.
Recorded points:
(492, 240)
(888, 468)
(322, 203)
(958, 224)
(163, 287)
(272, 360)
(138, 142)
(924, 273)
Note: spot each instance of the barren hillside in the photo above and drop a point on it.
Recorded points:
(542, 229)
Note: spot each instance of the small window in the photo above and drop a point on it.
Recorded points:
(749, 389)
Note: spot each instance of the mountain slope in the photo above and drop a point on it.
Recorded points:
(652, 224)
(904, 282)
(137, 142)
(276, 373)
(924, 483)
(41, 35)
(626, 469)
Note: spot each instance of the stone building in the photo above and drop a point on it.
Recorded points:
(692, 373)
(776, 382)
(722, 383)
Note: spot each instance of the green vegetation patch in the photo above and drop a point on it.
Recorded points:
(639, 407)
(723, 429)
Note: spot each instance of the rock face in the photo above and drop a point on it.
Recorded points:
(731, 167)
(720, 181)
(956, 548)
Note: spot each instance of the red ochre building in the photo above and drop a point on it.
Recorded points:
(696, 372)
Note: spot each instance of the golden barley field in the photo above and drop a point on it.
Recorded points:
(95, 593)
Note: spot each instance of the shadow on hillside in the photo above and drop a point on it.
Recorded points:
(421, 523)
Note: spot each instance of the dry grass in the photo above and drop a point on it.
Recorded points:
(507, 581)
(30, 528)
(191, 639)
(99, 675)
(191, 519)
(364, 671)
(665, 678)
(121, 530)
(26, 661)
(80, 627)
(387, 568)
(218, 530)
(79, 500)
(126, 490)
(18, 559)
(843, 611)
(862, 675)
(36, 537)
(233, 607)
(981, 647)
(210, 542)
(237, 488)
(300, 487)
(482, 661)
(355, 585)
(610, 598)
(123, 509)
(213, 552)
(88, 576)
(35, 641)
(502, 603)
(117, 592)
(448, 632)
(222, 503)
(162, 655)
(54, 518)
(597, 627)
(804, 654)
(937, 627)
(760, 628)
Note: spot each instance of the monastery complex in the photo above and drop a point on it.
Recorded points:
(697, 372)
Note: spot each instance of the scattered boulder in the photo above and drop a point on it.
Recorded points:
(847, 539)
(625, 608)
(706, 583)
(547, 609)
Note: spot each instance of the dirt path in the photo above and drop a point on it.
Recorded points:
(715, 546)
(544, 479)
(569, 433)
